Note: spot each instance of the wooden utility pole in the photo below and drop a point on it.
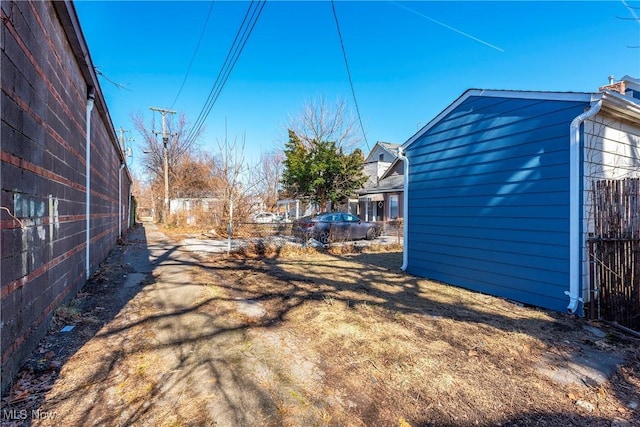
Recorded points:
(126, 151)
(165, 142)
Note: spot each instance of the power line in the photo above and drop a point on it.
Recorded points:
(226, 68)
(635, 17)
(210, 99)
(206, 22)
(448, 27)
(346, 63)
(242, 36)
(116, 84)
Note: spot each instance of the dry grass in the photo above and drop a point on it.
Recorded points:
(340, 337)
(396, 350)
(65, 315)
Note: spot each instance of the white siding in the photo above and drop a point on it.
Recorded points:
(611, 151)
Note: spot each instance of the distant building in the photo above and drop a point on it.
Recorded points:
(381, 198)
(192, 207)
(291, 209)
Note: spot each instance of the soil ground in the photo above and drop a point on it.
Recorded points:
(289, 336)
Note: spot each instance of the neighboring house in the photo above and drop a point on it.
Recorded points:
(66, 191)
(381, 198)
(295, 208)
(212, 207)
(498, 189)
(190, 207)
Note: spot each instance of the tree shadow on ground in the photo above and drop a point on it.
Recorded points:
(106, 365)
(145, 355)
(373, 282)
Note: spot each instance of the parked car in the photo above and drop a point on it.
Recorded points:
(266, 217)
(334, 226)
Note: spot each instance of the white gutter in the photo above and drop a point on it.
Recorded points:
(88, 179)
(129, 208)
(575, 240)
(120, 200)
(405, 205)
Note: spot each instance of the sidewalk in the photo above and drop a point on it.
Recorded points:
(140, 351)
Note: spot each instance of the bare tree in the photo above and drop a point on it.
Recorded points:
(194, 175)
(321, 121)
(143, 194)
(269, 175)
(152, 150)
(236, 189)
(322, 162)
(152, 147)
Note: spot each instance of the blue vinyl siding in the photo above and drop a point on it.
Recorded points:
(489, 199)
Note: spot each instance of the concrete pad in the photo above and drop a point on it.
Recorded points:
(596, 332)
(134, 279)
(251, 308)
(208, 246)
(588, 367)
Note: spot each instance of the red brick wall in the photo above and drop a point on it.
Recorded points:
(43, 97)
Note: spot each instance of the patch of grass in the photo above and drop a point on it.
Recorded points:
(346, 339)
(267, 249)
(363, 248)
(69, 314)
(408, 350)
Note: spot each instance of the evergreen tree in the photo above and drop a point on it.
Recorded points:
(320, 171)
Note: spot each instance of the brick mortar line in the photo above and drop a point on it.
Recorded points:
(41, 73)
(39, 170)
(54, 304)
(19, 283)
(38, 119)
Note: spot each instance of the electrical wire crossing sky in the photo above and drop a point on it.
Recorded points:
(249, 68)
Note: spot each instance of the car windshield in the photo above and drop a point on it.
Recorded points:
(330, 217)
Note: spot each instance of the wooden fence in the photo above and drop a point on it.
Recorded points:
(614, 252)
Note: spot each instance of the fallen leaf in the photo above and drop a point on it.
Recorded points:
(20, 397)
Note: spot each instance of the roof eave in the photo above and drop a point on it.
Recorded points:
(550, 96)
(620, 106)
(69, 19)
(390, 168)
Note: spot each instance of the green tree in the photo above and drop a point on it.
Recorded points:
(320, 171)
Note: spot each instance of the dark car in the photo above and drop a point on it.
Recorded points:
(334, 226)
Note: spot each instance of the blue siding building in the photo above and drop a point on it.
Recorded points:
(496, 190)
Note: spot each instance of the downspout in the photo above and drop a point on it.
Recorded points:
(405, 205)
(90, 100)
(129, 223)
(120, 200)
(575, 177)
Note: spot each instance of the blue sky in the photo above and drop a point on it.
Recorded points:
(408, 60)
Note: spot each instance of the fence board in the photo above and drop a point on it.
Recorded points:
(615, 252)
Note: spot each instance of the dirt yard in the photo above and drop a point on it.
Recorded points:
(305, 337)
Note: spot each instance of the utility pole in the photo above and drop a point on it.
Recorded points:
(123, 142)
(165, 142)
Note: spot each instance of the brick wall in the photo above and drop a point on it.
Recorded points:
(46, 76)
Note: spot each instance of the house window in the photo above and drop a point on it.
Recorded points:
(393, 206)
(381, 157)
